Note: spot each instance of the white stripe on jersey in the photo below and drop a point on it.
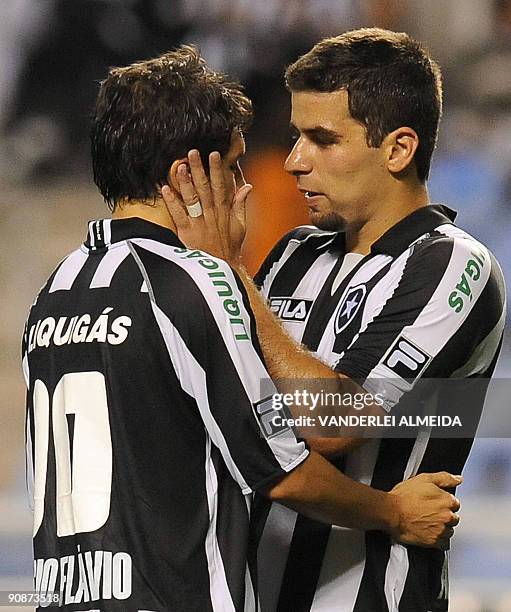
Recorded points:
(29, 463)
(91, 234)
(434, 327)
(398, 563)
(68, 271)
(221, 600)
(344, 560)
(42, 432)
(108, 265)
(291, 247)
(249, 367)
(193, 380)
(349, 262)
(107, 231)
(272, 553)
(315, 276)
(395, 576)
(250, 602)
(361, 276)
(417, 453)
(289, 250)
(456, 232)
(26, 370)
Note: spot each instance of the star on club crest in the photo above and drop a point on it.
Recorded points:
(349, 306)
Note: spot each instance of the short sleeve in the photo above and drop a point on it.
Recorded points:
(209, 332)
(446, 314)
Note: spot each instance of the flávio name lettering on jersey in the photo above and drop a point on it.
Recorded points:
(85, 577)
(80, 328)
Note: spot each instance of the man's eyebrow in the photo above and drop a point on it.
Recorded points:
(317, 131)
(321, 132)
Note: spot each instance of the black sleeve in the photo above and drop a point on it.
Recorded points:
(208, 332)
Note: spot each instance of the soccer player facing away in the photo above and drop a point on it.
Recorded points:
(145, 411)
(384, 289)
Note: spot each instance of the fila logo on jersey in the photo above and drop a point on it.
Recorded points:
(265, 414)
(290, 309)
(406, 359)
(349, 307)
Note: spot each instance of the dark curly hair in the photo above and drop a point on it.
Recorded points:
(152, 112)
(391, 82)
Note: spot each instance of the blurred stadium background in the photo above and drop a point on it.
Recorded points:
(53, 52)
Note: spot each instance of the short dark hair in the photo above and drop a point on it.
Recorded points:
(391, 81)
(152, 112)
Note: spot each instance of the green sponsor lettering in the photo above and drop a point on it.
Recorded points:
(471, 273)
(209, 264)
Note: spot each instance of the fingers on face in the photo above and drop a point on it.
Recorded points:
(186, 186)
(217, 175)
(243, 193)
(199, 178)
(176, 211)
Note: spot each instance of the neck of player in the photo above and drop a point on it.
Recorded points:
(397, 205)
(152, 210)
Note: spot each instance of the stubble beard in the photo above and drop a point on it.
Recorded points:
(330, 222)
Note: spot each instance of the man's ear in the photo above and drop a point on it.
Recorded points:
(172, 173)
(401, 147)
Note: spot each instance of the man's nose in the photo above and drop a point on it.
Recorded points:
(296, 162)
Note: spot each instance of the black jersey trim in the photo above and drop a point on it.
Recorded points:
(421, 221)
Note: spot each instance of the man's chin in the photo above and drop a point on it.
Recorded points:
(330, 222)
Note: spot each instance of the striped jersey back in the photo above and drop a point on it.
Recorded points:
(144, 440)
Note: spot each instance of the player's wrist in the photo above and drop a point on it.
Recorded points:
(391, 518)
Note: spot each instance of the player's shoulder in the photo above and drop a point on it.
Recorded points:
(456, 261)
(449, 244)
(183, 277)
(60, 273)
(197, 264)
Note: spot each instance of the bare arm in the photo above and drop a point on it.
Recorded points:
(285, 359)
(414, 512)
(417, 511)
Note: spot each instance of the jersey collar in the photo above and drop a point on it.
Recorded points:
(104, 232)
(400, 236)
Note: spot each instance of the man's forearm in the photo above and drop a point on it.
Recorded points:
(416, 511)
(318, 490)
(287, 361)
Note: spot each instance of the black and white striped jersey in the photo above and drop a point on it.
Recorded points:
(428, 301)
(143, 426)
